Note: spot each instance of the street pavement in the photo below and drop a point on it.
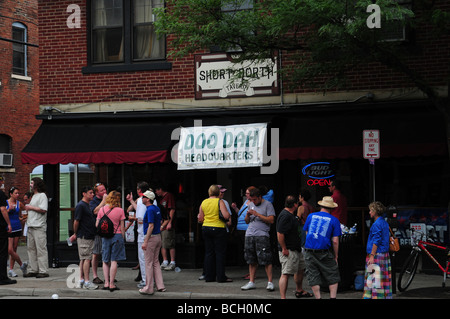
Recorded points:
(185, 285)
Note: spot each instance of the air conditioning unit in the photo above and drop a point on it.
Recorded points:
(6, 159)
(394, 31)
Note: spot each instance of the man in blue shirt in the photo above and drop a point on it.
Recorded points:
(321, 248)
(153, 224)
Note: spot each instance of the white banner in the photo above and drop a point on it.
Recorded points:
(221, 146)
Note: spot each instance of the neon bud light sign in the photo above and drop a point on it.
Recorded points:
(319, 173)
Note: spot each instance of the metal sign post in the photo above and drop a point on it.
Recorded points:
(371, 151)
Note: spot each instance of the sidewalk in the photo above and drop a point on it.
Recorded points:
(185, 285)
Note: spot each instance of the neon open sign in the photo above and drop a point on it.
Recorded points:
(319, 173)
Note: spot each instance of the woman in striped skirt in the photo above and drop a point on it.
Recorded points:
(378, 283)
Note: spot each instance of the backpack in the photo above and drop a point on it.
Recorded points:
(105, 227)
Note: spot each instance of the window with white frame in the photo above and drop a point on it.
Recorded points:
(19, 33)
(122, 31)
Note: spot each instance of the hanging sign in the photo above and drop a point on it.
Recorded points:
(221, 146)
(217, 76)
(371, 144)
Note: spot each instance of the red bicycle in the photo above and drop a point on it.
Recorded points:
(410, 266)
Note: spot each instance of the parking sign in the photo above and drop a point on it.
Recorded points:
(371, 144)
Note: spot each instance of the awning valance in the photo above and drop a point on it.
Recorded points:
(408, 129)
(105, 141)
(331, 135)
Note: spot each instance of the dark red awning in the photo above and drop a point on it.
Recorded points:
(408, 129)
(88, 141)
(328, 135)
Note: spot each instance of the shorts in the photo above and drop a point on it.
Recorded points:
(97, 245)
(113, 249)
(257, 250)
(13, 234)
(168, 239)
(321, 268)
(85, 248)
(292, 264)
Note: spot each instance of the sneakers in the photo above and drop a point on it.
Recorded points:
(89, 285)
(166, 266)
(251, 285)
(171, 266)
(248, 286)
(141, 284)
(11, 273)
(24, 267)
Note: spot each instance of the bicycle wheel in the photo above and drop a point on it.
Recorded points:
(408, 271)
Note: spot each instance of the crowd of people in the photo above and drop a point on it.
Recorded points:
(307, 240)
(27, 217)
(96, 211)
(99, 229)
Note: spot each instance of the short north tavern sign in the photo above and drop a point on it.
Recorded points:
(218, 76)
(221, 146)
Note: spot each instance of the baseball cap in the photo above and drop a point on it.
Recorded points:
(149, 195)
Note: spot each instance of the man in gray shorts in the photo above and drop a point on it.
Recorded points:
(84, 233)
(257, 251)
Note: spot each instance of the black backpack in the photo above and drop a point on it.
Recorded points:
(105, 227)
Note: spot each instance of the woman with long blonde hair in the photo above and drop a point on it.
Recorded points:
(113, 249)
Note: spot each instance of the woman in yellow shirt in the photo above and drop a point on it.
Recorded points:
(214, 235)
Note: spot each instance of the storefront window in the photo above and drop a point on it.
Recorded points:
(72, 178)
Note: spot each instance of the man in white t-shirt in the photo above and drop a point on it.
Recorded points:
(140, 210)
(37, 230)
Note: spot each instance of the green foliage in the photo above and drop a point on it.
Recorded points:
(325, 38)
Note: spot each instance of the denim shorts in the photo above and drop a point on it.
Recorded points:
(113, 249)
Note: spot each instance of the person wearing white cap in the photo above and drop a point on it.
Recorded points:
(153, 223)
(321, 248)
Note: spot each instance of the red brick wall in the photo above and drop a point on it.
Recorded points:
(63, 53)
(428, 56)
(19, 99)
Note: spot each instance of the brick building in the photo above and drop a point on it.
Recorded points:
(110, 97)
(19, 88)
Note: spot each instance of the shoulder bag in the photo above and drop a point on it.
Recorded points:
(394, 244)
